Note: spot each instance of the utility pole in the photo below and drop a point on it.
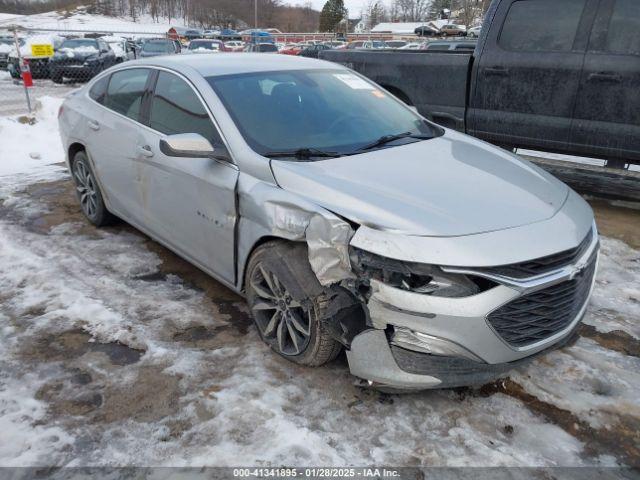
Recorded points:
(255, 13)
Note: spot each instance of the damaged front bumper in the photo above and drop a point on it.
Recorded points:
(419, 341)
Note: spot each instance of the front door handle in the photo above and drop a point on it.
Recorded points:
(497, 71)
(145, 150)
(605, 77)
(93, 125)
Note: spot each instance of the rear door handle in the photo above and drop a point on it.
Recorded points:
(93, 125)
(497, 71)
(145, 150)
(605, 77)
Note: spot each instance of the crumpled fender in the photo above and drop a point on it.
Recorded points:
(269, 211)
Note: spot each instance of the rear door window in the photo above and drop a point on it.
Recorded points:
(175, 108)
(623, 35)
(542, 25)
(126, 90)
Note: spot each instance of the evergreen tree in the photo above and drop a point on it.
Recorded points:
(332, 14)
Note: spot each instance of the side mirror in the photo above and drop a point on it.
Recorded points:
(187, 145)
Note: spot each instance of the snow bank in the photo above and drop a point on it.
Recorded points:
(31, 150)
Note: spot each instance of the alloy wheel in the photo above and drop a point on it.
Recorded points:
(86, 187)
(280, 318)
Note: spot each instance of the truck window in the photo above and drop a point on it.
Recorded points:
(623, 35)
(541, 25)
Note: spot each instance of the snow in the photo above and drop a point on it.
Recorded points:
(79, 20)
(33, 149)
(38, 39)
(230, 400)
(71, 52)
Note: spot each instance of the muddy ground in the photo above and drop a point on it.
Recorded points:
(166, 361)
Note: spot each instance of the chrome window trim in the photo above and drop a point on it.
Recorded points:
(233, 163)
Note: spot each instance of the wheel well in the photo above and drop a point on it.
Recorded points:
(261, 241)
(398, 93)
(73, 149)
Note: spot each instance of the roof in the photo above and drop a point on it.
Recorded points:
(399, 28)
(235, 63)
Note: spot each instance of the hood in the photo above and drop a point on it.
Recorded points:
(447, 186)
(80, 53)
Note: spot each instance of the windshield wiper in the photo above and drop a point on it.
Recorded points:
(302, 154)
(391, 138)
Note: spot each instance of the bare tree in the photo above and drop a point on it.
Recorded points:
(374, 13)
(410, 10)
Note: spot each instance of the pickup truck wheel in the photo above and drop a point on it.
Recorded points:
(88, 192)
(287, 322)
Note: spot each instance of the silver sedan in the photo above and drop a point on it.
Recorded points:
(346, 219)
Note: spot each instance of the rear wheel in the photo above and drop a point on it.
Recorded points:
(286, 313)
(88, 191)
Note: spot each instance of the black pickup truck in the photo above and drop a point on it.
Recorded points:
(553, 75)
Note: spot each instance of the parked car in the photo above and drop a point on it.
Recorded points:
(412, 46)
(192, 34)
(81, 59)
(39, 65)
(6, 45)
(205, 46)
(261, 48)
(355, 45)
(211, 33)
(347, 220)
(121, 47)
(396, 43)
(474, 31)
(290, 49)
(559, 79)
(234, 46)
(313, 50)
(449, 45)
(453, 30)
(157, 47)
(426, 31)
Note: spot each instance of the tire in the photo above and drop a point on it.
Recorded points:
(56, 77)
(286, 301)
(88, 191)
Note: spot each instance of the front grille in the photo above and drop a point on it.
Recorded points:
(542, 265)
(543, 313)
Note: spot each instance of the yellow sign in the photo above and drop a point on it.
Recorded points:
(44, 50)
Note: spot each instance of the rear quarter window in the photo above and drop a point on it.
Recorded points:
(98, 90)
(541, 25)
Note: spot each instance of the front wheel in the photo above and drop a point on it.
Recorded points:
(286, 312)
(88, 191)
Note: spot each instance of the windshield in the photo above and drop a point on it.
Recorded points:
(205, 45)
(157, 47)
(79, 43)
(329, 110)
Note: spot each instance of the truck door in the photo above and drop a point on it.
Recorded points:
(528, 72)
(607, 114)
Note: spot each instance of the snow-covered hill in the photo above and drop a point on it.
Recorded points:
(82, 21)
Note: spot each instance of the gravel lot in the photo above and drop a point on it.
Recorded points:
(113, 351)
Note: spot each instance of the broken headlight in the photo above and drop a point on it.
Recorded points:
(416, 277)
